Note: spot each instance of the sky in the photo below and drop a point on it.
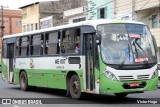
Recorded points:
(15, 4)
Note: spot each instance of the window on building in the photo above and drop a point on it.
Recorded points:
(24, 28)
(79, 19)
(154, 21)
(24, 16)
(71, 41)
(28, 28)
(32, 27)
(36, 26)
(102, 13)
(24, 46)
(18, 23)
(52, 45)
(37, 44)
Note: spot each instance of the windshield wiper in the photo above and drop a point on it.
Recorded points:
(144, 54)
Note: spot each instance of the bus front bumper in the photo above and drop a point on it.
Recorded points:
(108, 86)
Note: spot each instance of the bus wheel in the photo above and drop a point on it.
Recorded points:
(121, 95)
(75, 89)
(24, 81)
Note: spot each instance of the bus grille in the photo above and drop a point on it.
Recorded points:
(139, 77)
(142, 77)
(125, 78)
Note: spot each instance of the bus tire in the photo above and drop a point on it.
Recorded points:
(23, 81)
(75, 89)
(121, 95)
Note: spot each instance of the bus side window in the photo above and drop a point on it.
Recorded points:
(24, 46)
(37, 44)
(52, 45)
(71, 41)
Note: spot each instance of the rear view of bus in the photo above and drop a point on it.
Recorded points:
(128, 53)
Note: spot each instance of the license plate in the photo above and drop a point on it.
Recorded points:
(135, 84)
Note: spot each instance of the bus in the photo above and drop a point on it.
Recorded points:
(96, 56)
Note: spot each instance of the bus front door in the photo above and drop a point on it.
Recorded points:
(10, 65)
(89, 61)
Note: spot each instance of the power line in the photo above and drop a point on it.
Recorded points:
(150, 14)
(141, 7)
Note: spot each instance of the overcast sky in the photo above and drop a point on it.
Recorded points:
(15, 4)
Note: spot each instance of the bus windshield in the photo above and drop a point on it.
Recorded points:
(126, 44)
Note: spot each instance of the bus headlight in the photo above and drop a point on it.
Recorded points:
(155, 73)
(110, 75)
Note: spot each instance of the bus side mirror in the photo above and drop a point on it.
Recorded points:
(98, 39)
(155, 44)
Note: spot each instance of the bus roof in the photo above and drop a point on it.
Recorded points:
(93, 23)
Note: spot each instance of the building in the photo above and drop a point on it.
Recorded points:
(30, 17)
(123, 9)
(12, 23)
(100, 9)
(78, 13)
(48, 13)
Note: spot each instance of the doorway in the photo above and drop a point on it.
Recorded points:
(11, 62)
(89, 60)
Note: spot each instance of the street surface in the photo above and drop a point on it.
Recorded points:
(59, 99)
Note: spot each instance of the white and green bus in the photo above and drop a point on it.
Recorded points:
(99, 56)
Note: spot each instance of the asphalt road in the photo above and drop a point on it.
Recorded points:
(58, 98)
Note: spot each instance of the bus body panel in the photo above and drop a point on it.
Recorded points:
(51, 71)
(48, 71)
(4, 69)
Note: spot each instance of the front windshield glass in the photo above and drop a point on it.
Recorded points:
(126, 44)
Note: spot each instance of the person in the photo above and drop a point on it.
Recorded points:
(63, 49)
(77, 48)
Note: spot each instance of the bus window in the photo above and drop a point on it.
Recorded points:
(36, 47)
(52, 45)
(24, 46)
(71, 41)
(17, 45)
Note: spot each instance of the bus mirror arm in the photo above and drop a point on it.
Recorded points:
(155, 44)
(79, 66)
(98, 40)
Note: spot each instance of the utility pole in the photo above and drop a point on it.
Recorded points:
(2, 27)
(2, 20)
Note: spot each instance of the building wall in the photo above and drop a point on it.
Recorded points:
(123, 9)
(11, 18)
(145, 4)
(30, 17)
(56, 8)
(95, 5)
(12, 22)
